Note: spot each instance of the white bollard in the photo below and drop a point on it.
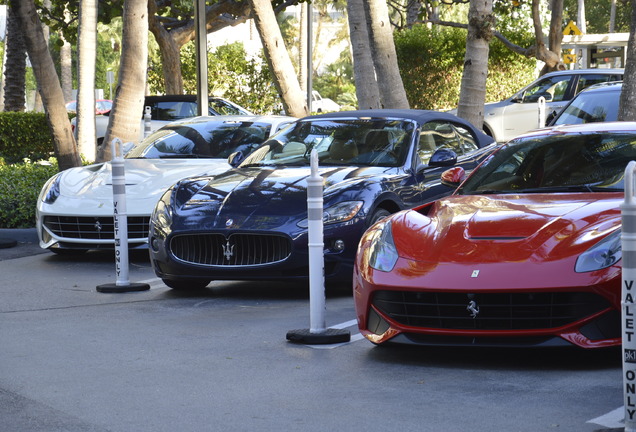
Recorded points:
(147, 119)
(628, 318)
(316, 246)
(541, 108)
(120, 220)
(317, 332)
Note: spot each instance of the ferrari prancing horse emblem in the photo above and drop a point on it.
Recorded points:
(473, 308)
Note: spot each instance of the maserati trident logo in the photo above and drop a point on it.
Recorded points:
(473, 308)
(228, 250)
(98, 226)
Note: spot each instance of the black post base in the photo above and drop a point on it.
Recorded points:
(328, 336)
(114, 288)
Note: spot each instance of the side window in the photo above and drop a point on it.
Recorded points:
(222, 108)
(553, 89)
(467, 142)
(164, 110)
(439, 134)
(589, 80)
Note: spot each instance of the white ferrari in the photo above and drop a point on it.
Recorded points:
(75, 208)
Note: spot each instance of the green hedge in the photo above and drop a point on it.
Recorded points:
(431, 65)
(24, 135)
(20, 185)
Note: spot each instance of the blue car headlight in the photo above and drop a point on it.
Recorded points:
(603, 254)
(383, 253)
(340, 212)
(51, 190)
(161, 217)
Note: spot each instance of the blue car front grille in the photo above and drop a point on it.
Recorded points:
(235, 250)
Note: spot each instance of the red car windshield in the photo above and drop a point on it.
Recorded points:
(554, 163)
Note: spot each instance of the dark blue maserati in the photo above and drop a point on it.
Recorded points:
(250, 223)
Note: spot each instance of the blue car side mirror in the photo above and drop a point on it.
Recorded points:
(236, 158)
(443, 158)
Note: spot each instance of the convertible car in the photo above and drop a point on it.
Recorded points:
(250, 223)
(526, 252)
(75, 208)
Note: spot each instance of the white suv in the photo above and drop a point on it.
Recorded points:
(520, 113)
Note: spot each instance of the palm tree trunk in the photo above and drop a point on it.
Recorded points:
(15, 69)
(125, 117)
(278, 59)
(367, 90)
(472, 95)
(86, 48)
(392, 93)
(48, 84)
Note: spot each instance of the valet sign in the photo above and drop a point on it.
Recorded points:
(628, 292)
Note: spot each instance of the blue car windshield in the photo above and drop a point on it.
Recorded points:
(357, 142)
(210, 139)
(584, 162)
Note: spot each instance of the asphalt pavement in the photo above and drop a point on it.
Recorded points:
(17, 243)
(74, 359)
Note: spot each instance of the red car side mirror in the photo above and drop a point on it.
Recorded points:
(453, 177)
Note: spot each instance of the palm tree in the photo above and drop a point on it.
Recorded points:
(392, 91)
(125, 117)
(86, 48)
(472, 95)
(367, 91)
(48, 83)
(278, 59)
(14, 74)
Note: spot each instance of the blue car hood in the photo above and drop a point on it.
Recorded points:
(265, 198)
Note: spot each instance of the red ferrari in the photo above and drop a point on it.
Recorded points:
(526, 252)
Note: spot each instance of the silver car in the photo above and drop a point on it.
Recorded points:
(520, 113)
(598, 103)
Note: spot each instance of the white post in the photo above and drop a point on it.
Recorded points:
(147, 119)
(120, 215)
(120, 220)
(316, 246)
(628, 242)
(541, 108)
(317, 333)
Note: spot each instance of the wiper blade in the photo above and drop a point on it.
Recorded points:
(182, 156)
(567, 188)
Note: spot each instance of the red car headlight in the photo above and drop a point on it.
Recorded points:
(383, 254)
(603, 254)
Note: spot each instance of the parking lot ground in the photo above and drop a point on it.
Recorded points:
(74, 359)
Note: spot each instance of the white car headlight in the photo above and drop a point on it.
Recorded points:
(340, 212)
(383, 254)
(51, 190)
(603, 254)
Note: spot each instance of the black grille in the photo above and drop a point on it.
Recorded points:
(95, 228)
(234, 250)
(497, 311)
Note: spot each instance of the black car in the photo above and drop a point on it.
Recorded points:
(250, 223)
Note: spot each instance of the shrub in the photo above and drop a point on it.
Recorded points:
(431, 65)
(20, 185)
(24, 135)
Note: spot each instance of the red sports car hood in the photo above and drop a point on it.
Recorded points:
(505, 228)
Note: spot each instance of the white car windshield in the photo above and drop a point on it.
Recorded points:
(201, 140)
